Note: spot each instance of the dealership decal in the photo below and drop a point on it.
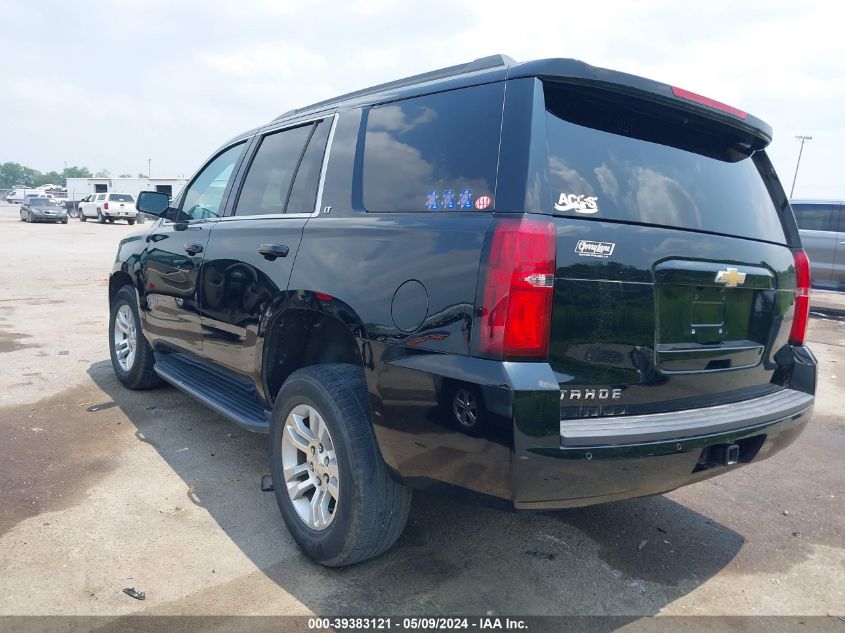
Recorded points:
(483, 202)
(431, 201)
(588, 248)
(578, 203)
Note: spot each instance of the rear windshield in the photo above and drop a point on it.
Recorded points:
(615, 158)
(120, 197)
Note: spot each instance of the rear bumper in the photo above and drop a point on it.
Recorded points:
(584, 475)
(523, 455)
(608, 459)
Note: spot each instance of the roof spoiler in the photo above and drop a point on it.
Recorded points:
(574, 71)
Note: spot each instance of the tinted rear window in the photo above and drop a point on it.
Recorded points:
(816, 217)
(120, 197)
(615, 159)
(434, 153)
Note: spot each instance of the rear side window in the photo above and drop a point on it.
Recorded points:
(816, 217)
(434, 153)
(623, 160)
(303, 193)
(284, 174)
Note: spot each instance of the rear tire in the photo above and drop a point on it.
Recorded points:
(139, 373)
(130, 222)
(370, 510)
(100, 217)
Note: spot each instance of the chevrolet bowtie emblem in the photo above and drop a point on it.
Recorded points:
(731, 277)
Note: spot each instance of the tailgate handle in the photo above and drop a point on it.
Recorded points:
(272, 251)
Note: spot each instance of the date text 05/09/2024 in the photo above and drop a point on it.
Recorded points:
(375, 623)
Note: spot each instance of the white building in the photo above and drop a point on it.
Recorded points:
(78, 188)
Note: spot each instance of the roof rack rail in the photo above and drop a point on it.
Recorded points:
(482, 63)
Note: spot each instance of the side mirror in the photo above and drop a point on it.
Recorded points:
(153, 203)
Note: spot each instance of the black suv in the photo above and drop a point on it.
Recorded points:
(545, 284)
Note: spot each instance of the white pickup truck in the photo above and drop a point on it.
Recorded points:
(108, 207)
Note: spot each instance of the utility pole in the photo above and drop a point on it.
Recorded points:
(803, 139)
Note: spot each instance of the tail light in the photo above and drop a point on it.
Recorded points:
(516, 291)
(802, 299)
(106, 205)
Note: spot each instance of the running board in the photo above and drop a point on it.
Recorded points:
(230, 396)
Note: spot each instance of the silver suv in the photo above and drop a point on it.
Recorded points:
(822, 227)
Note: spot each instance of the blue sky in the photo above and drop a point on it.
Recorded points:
(110, 84)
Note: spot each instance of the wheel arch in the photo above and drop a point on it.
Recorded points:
(300, 336)
(126, 276)
(117, 280)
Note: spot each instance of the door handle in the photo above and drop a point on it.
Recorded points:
(193, 249)
(272, 251)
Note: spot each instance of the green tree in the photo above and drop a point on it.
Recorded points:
(103, 173)
(76, 172)
(51, 177)
(12, 174)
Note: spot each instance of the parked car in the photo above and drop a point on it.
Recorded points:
(108, 207)
(822, 227)
(589, 291)
(42, 209)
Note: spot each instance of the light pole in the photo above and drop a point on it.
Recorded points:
(149, 168)
(803, 139)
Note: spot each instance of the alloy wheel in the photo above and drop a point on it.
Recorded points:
(125, 337)
(465, 407)
(309, 467)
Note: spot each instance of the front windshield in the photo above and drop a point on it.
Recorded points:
(41, 202)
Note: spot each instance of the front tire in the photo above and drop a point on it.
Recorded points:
(82, 217)
(131, 356)
(321, 427)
